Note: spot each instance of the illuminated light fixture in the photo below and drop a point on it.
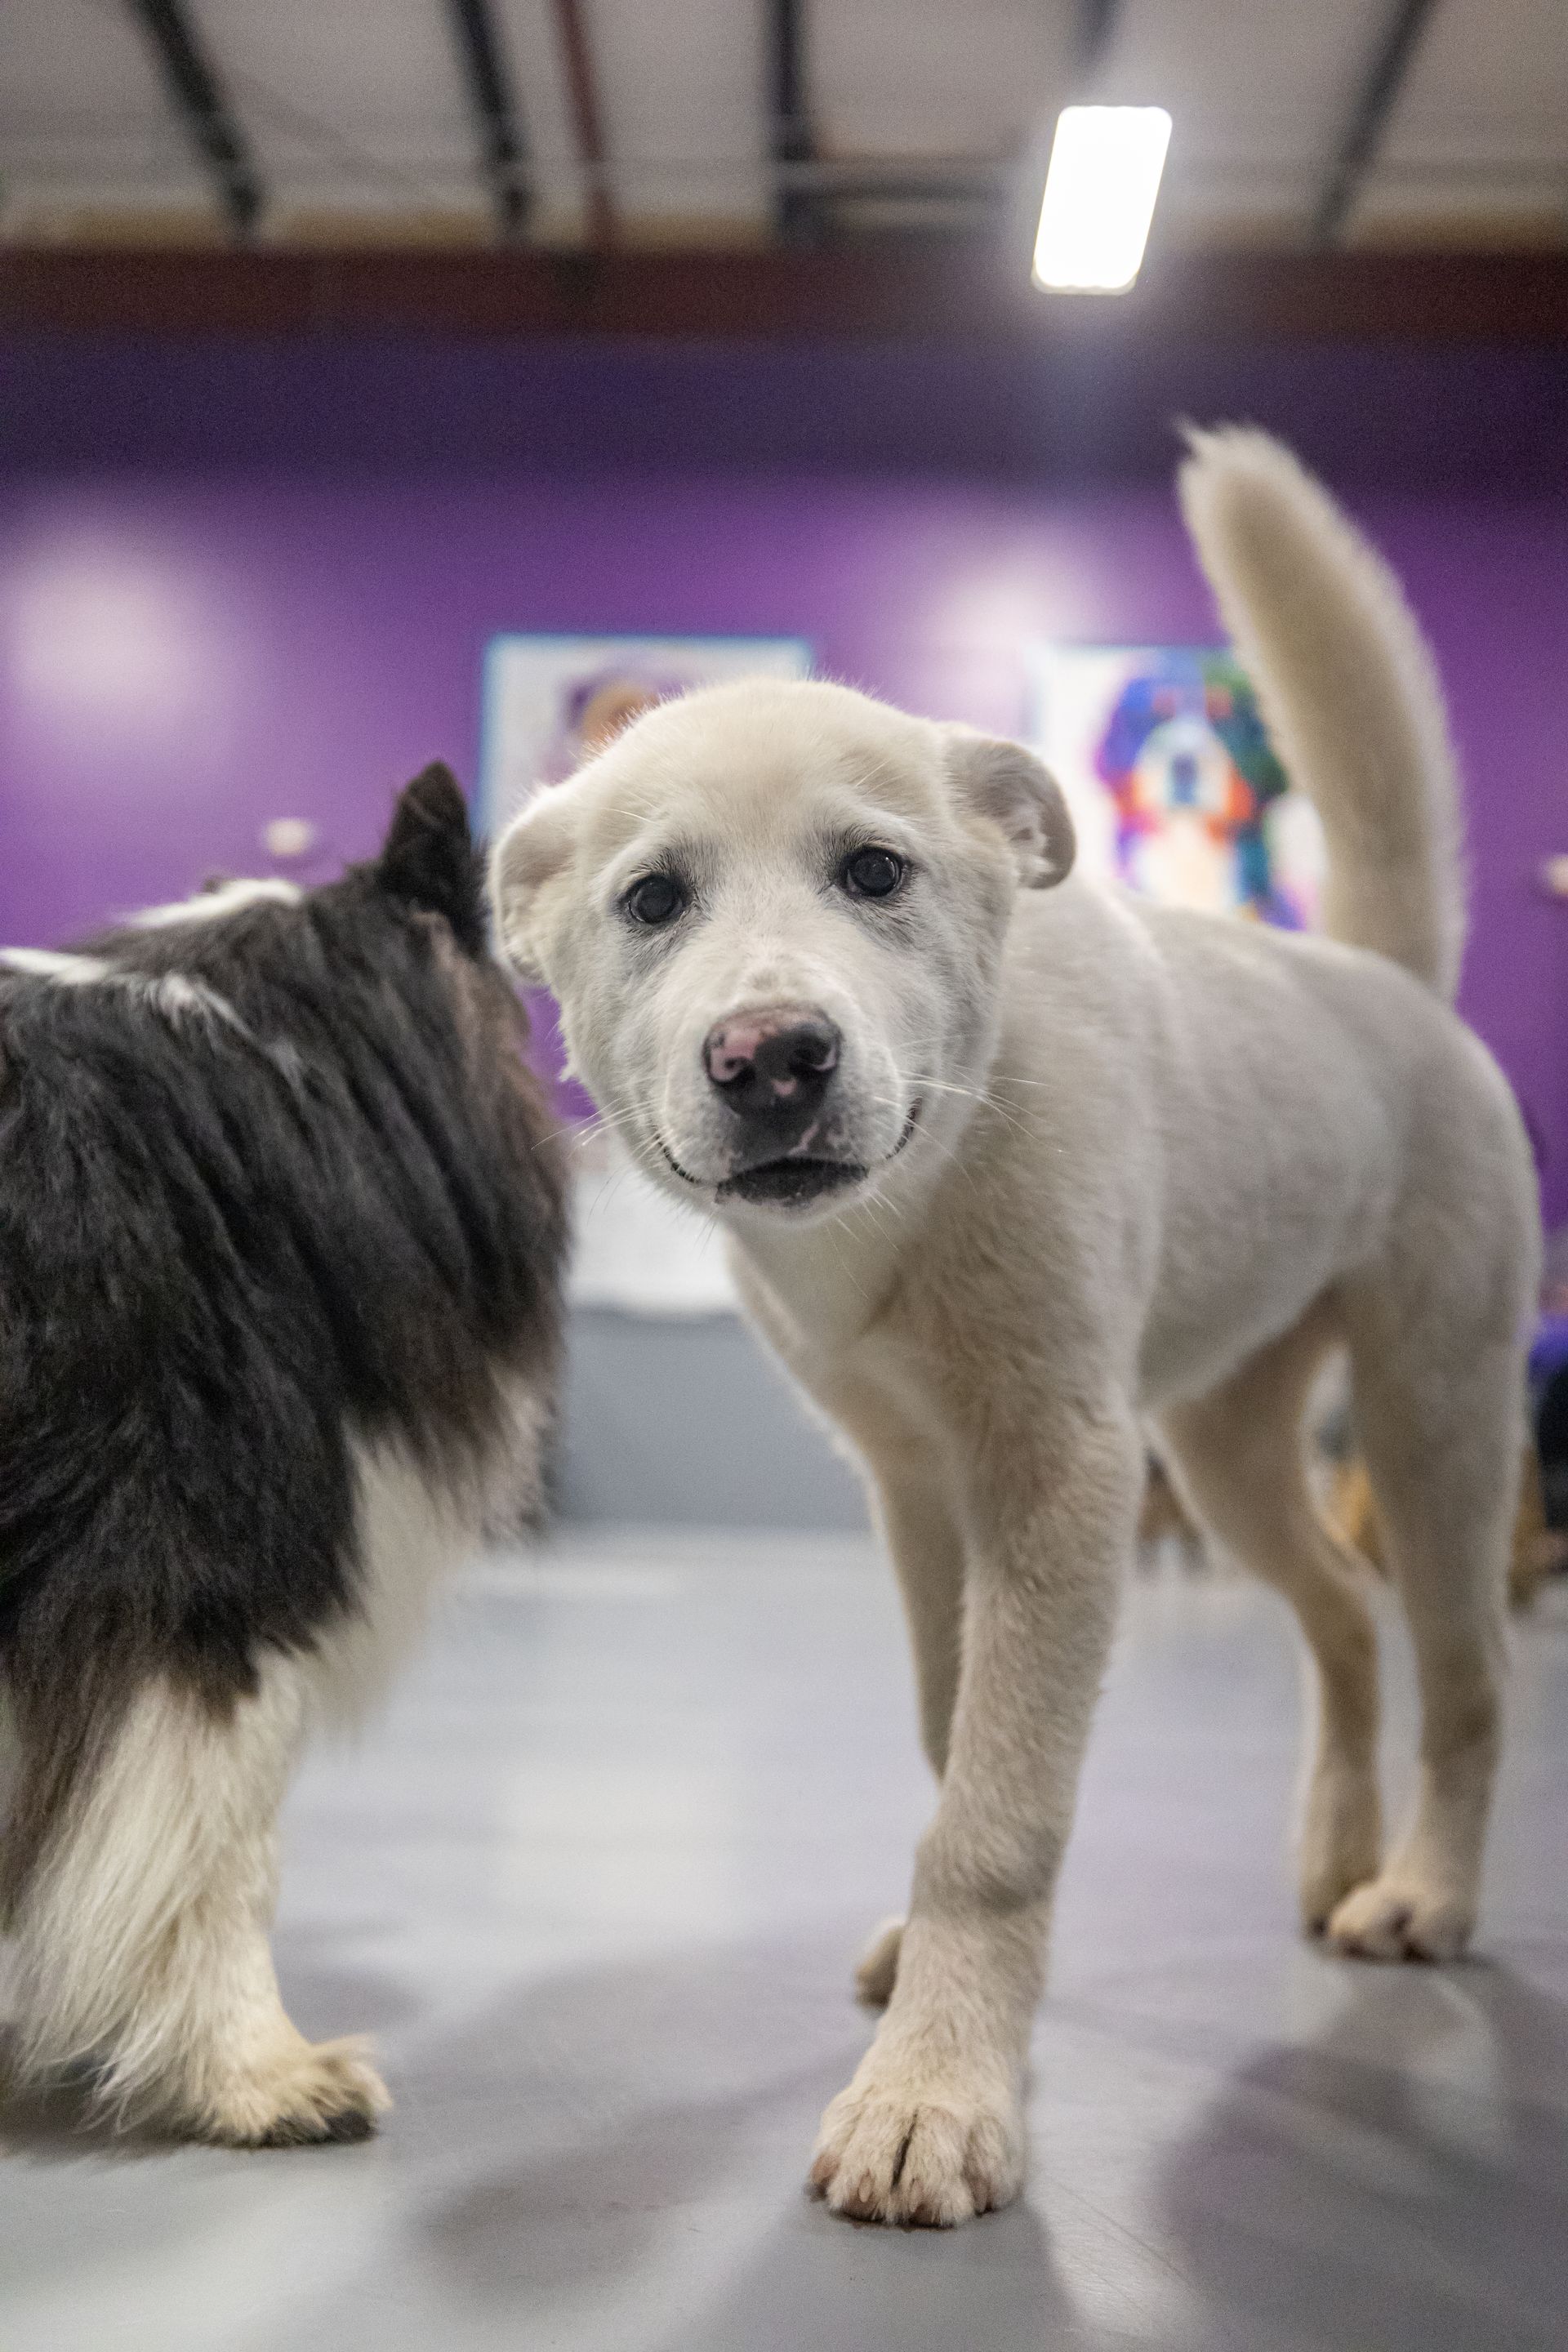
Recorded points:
(1104, 177)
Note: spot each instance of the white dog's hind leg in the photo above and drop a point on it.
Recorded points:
(932, 2128)
(876, 1970)
(1238, 1455)
(1442, 1427)
(141, 1927)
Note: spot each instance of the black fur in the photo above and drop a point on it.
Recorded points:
(229, 1248)
(429, 859)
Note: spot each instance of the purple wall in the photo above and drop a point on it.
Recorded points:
(234, 586)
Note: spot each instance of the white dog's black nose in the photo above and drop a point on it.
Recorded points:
(774, 1067)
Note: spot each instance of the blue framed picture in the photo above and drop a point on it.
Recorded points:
(1175, 787)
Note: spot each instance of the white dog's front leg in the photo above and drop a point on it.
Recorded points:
(931, 2129)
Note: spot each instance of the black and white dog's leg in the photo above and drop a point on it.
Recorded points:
(932, 2128)
(142, 1872)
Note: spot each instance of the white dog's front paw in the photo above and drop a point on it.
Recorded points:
(923, 2153)
(1398, 1919)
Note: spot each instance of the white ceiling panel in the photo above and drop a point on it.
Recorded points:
(1257, 96)
(682, 87)
(1479, 130)
(84, 122)
(527, 33)
(360, 114)
(348, 108)
(927, 79)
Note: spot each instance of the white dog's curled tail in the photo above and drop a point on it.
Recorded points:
(1349, 691)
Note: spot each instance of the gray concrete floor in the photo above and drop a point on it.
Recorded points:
(596, 1883)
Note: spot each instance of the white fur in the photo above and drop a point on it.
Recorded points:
(412, 1534)
(1348, 688)
(170, 993)
(1158, 1163)
(141, 1936)
(216, 906)
(61, 971)
(141, 1942)
(174, 994)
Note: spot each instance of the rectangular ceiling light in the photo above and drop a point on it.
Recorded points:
(1104, 177)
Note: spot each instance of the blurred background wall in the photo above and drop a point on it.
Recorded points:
(336, 341)
(240, 582)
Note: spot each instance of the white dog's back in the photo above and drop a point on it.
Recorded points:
(1228, 1084)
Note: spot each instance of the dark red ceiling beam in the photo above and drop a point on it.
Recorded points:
(587, 120)
(934, 290)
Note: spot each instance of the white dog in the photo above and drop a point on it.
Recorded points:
(1008, 1161)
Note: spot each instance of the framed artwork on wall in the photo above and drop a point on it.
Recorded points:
(550, 702)
(1175, 787)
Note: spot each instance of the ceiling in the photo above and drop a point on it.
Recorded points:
(709, 123)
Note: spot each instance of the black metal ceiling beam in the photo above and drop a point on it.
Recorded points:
(204, 108)
(494, 104)
(918, 180)
(1096, 31)
(1373, 104)
(797, 212)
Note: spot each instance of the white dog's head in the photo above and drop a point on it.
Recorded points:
(774, 916)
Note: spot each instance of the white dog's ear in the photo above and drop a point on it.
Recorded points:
(533, 849)
(1004, 783)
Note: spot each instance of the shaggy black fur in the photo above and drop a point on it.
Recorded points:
(229, 1246)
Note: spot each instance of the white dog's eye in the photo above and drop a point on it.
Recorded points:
(872, 873)
(657, 898)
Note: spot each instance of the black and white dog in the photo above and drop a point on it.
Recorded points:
(281, 1237)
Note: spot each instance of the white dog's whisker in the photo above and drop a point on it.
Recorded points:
(980, 1095)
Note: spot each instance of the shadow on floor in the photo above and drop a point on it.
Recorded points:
(57, 2122)
(1398, 2179)
(616, 2157)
